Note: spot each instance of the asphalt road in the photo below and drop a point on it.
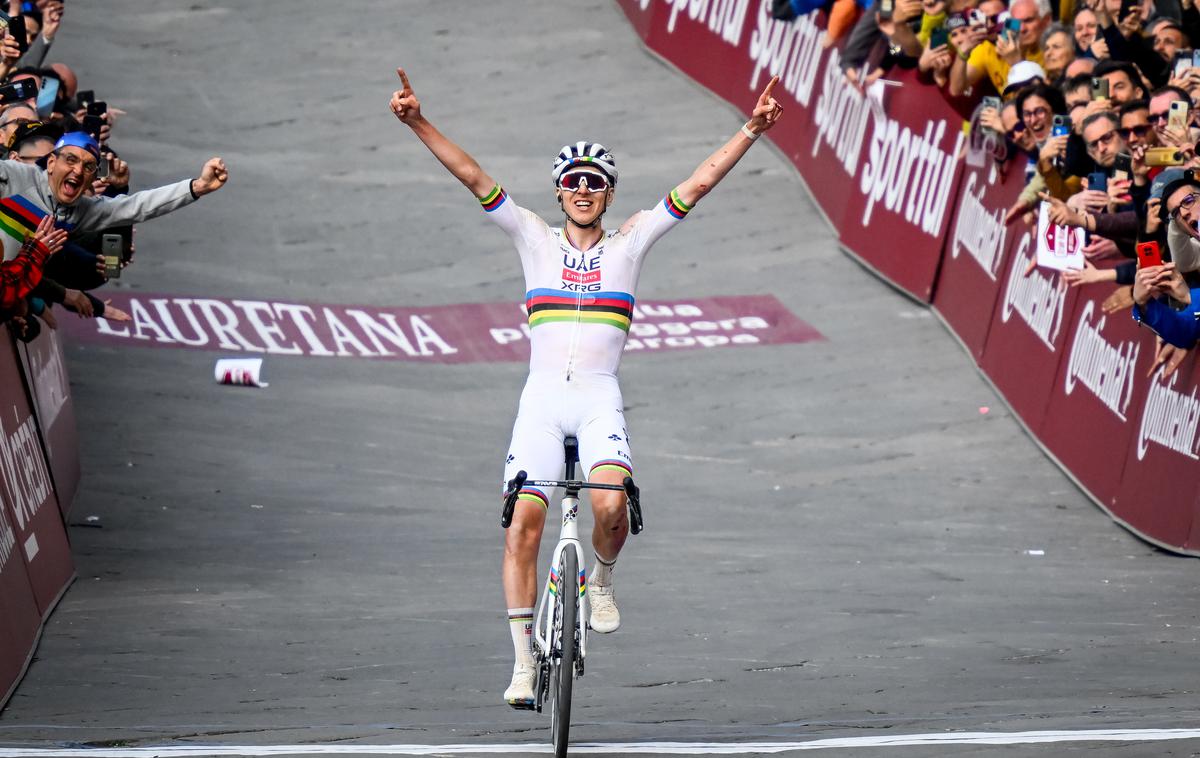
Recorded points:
(839, 542)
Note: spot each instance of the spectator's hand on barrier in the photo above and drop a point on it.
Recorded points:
(78, 302)
(1089, 274)
(404, 102)
(766, 111)
(1100, 248)
(1118, 193)
(1169, 357)
(212, 177)
(49, 237)
(112, 313)
(1062, 214)
(1016, 211)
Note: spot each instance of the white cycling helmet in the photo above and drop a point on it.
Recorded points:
(585, 154)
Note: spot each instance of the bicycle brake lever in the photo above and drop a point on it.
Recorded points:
(510, 498)
(634, 496)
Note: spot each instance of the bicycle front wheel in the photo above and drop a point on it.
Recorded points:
(563, 668)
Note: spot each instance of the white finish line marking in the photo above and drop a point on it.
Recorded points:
(621, 748)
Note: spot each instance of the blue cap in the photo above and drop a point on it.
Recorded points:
(79, 139)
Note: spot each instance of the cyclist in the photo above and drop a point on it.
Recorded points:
(580, 281)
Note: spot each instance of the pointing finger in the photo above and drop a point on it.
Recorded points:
(766, 95)
(404, 79)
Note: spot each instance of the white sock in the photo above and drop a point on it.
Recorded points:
(520, 624)
(602, 573)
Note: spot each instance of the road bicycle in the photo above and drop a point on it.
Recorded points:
(561, 623)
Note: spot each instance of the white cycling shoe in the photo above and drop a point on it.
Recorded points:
(520, 692)
(605, 616)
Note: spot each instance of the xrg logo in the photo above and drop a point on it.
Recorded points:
(581, 273)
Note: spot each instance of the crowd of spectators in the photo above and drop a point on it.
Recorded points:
(1096, 102)
(66, 213)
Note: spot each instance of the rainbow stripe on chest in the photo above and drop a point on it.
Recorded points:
(608, 308)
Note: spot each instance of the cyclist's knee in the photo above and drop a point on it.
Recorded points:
(608, 506)
(525, 533)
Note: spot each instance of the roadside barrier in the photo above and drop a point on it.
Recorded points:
(891, 171)
(39, 474)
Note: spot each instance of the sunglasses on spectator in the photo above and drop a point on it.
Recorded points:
(1158, 118)
(572, 180)
(1141, 130)
(1187, 202)
(1017, 130)
(1103, 139)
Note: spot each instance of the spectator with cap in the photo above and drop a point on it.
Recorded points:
(1022, 75)
(12, 117)
(32, 141)
(27, 193)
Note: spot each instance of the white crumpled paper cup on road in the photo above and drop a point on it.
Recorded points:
(240, 371)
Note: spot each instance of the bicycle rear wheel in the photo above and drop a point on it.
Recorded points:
(562, 670)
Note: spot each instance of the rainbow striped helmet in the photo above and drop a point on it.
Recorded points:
(585, 154)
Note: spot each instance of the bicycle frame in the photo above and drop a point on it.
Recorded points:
(568, 539)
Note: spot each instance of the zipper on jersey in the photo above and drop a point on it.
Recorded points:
(575, 335)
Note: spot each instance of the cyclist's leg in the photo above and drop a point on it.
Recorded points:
(537, 449)
(605, 454)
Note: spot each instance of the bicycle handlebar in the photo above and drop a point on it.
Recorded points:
(632, 493)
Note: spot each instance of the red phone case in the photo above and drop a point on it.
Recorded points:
(1148, 254)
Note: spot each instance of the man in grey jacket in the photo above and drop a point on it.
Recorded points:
(27, 193)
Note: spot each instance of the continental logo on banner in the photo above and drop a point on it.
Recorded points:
(1036, 298)
(24, 469)
(1170, 419)
(978, 231)
(8, 540)
(1106, 370)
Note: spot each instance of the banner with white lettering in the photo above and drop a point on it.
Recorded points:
(46, 369)
(26, 488)
(435, 334)
(1159, 494)
(969, 280)
(886, 159)
(1028, 332)
(1096, 396)
(20, 617)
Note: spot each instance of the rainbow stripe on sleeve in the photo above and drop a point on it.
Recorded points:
(19, 217)
(675, 206)
(494, 199)
(612, 465)
(611, 308)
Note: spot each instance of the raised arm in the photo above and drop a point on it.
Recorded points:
(709, 173)
(407, 108)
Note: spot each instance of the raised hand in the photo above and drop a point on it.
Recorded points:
(212, 177)
(766, 112)
(405, 104)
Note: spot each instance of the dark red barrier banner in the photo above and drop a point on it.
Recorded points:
(27, 490)
(970, 280)
(435, 334)
(1162, 469)
(46, 369)
(1095, 399)
(885, 161)
(20, 617)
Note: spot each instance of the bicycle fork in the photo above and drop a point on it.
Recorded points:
(545, 623)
